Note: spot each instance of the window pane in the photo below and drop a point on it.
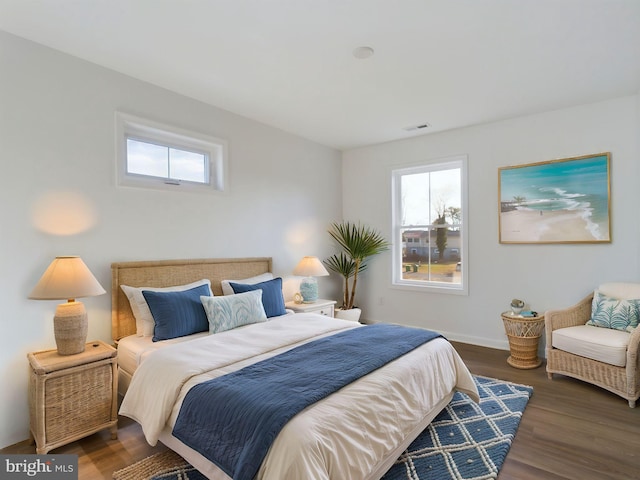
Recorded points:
(445, 195)
(415, 199)
(147, 159)
(188, 166)
(415, 244)
(421, 258)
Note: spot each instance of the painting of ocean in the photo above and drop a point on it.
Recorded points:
(558, 201)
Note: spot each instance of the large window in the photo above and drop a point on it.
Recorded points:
(160, 156)
(429, 226)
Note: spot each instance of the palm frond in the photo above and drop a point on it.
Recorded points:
(341, 264)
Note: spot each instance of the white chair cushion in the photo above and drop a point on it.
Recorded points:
(603, 344)
(623, 291)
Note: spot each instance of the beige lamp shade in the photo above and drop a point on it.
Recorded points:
(68, 278)
(309, 268)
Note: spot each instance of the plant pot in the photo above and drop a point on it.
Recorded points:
(352, 314)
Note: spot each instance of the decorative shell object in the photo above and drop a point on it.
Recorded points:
(516, 306)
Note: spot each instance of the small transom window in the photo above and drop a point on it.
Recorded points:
(159, 156)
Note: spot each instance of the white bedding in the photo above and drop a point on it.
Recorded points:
(350, 434)
(132, 350)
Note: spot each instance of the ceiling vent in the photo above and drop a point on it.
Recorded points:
(416, 128)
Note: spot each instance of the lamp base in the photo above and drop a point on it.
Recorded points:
(309, 289)
(70, 328)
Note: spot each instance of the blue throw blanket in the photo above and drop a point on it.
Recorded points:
(232, 420)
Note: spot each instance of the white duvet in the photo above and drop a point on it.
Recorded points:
(346, 435)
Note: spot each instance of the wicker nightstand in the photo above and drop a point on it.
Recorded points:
(523, 334)
(321, 306)
(72, 396)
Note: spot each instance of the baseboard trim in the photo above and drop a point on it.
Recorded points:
(480, 341)
(457, 337)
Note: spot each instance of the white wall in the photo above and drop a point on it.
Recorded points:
(57, 140)
(547, 276)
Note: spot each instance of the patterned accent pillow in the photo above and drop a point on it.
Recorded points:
(232, 311)
(614, 313)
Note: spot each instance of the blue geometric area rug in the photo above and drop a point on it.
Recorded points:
(466, 441)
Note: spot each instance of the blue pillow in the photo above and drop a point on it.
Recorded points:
(177, 314)
(272, 298)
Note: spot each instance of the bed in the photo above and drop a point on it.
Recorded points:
(356, 432)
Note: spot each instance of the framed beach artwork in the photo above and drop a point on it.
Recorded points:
(556, 201)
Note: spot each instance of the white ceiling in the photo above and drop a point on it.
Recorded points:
(289, 63)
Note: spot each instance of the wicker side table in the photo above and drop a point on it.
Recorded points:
(523, 334)
(72, 396)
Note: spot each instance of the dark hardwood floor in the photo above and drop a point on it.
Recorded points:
(569, 430)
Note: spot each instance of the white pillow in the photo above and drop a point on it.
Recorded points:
(140, 309)
(263, 277)
(622, 291)
(233, 311)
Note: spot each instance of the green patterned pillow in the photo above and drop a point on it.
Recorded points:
(614, 313)
(232, 311)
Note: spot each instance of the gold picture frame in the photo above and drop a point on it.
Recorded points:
(556, 201)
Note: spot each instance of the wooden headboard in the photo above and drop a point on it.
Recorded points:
(167, 273)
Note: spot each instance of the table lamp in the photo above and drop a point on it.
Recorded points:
(309, 268)
(68, 278)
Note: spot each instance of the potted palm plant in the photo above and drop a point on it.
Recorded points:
(358, 242)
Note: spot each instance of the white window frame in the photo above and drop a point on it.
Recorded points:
(144, 130)
(458, 161)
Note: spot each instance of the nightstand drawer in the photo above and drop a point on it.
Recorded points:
(72, 396)
(77, 401)
(321, 306)
(327, 311)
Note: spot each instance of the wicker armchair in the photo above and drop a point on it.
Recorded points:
(624, 379)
